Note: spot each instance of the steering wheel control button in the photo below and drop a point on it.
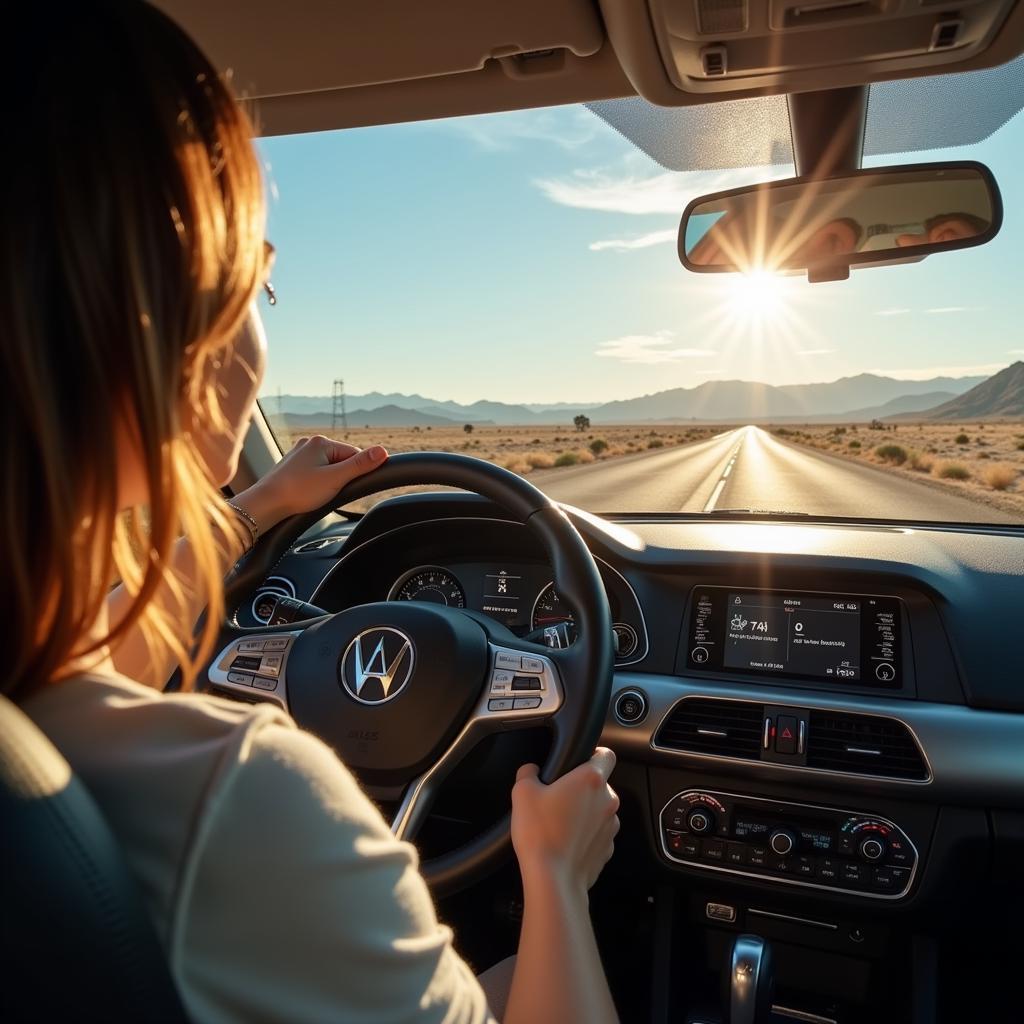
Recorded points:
(526, 703)
(785, 735)
(271, 664)
(503, 659)
(265, 684)
(500, 704)
(532, 664)
(277, 644)
(247, 646)
(501, 680)
(240, 678)
(526, 682)
(245, 661)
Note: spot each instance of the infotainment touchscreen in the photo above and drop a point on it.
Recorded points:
(831, 638)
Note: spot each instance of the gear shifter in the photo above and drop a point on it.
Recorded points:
(750, 981)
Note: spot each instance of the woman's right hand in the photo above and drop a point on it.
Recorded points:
(566, 830)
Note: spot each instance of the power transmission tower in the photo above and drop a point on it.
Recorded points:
(338, 408)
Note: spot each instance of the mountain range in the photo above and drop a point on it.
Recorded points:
(861, 397)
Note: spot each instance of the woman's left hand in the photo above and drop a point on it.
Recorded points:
(307, 477)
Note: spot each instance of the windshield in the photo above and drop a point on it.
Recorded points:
(507, 286)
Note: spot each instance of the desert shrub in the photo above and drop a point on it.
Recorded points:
(921, 461)
(598, 445)
(854, 444)
(583, 455)
(999, 476)
(517, 464)
(782, 432)
(894, 453)
(540, 460)
(983, 455)
(536, 440)
(655, 442)
(952, 471)
(567, 459)
(1020, 446)
(961, 439)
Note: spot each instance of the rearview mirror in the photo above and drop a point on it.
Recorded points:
(827, 225)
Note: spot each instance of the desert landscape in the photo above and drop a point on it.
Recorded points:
(980, 460)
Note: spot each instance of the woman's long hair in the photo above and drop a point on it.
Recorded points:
(131, 234)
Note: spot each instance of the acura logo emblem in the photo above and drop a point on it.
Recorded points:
(377, 665)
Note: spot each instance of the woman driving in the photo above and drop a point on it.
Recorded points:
(134, 250)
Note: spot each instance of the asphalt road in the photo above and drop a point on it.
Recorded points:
(750, 468)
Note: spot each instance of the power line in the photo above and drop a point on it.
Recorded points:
(338, 408)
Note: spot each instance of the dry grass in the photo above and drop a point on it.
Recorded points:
(1000, 477)
(981, 460)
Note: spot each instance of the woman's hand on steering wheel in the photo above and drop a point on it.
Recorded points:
(566, 830)
(312, 473)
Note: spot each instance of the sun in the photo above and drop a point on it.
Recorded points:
(756, 297)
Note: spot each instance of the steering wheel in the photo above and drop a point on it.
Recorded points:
(403, 690)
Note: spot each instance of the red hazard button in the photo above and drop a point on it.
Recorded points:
(785, 735)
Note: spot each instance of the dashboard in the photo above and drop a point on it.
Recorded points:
(828, 710)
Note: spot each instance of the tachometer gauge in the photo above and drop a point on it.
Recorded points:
(429, 583)
(548, 609)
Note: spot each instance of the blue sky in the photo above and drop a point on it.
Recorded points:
(530, 257)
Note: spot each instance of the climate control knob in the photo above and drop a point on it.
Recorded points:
(782, 842)
(872, 848)
(700, 820)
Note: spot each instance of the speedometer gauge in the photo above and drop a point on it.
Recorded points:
(429, 583)
(549, 609)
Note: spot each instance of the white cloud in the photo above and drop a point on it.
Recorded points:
(632, 191)
(649, 349)
(1016, 351)
(927, 372)
(567, 129)
(640, 242)
(891, 312)
(815, 351)
(954, 309)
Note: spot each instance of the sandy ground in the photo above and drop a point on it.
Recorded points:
(983, 461)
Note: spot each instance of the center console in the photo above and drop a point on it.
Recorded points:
(789, 843)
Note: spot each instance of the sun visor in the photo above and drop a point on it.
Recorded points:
(906, 116)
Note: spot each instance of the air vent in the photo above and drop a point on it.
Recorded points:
(863, 744)
(726, 728)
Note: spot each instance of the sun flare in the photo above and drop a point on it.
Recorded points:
(756, 296)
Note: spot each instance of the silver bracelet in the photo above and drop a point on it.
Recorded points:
(250, 523)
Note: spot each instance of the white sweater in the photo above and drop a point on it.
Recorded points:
(276, 887)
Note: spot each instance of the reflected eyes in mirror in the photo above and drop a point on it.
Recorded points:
(826, 225)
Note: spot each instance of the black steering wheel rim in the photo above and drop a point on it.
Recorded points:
(586, 667)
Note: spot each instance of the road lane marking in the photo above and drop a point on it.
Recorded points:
(720, 486)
